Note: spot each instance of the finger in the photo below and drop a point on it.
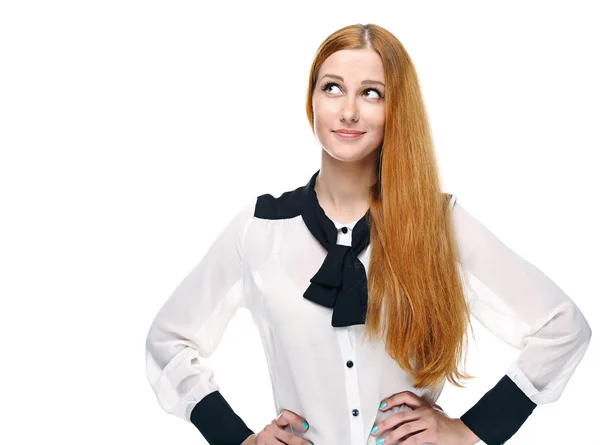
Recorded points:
(395, 420)
(287, 417)
(290, 439)
(405, 398)
(268, 435)
(270, 440)
(416, 439)
(407, 430)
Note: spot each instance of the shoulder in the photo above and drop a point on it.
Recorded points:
(287, 205)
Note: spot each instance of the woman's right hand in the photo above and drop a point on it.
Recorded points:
(274, 433)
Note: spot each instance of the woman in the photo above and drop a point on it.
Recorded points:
(347, 369)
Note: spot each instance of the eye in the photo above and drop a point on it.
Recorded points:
(333, 84)
(327, 85)
(376, 90)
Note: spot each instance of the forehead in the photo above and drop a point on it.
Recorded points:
(354, 63)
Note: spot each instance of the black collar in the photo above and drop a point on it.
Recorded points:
(341, 281)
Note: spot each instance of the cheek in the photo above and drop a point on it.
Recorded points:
(377, 117)
(323, 116)
(323, 110)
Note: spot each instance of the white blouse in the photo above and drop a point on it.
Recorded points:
(332, 376)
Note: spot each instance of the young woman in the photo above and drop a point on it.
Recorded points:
(372, 221)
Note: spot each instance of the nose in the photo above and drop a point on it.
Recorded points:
(350, 110)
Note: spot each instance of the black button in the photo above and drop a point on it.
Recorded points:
(355, 412)
(345, 229)
(349, 364)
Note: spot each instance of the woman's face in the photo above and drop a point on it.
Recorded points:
(349, 95)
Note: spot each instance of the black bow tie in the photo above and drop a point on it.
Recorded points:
(341, 282)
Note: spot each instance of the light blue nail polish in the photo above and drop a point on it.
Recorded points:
(305, 425)
(374, 429)
(383, 405)
(380, 441)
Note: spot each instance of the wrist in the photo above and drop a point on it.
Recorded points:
(248, 439)
(469, 437)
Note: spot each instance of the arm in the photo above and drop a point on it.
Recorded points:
(527, 310)
(188, 328)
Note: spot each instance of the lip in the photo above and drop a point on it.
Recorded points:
(344, 130)
(349, 134)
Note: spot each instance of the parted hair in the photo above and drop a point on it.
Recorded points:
(416, 296)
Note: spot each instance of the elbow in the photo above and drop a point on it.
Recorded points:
(153, 352)
(580, 330)
(162, 344)
(567, 328)
(158, 345)
(581, 325)
(167, 344)
(152, 338)
(585, 331)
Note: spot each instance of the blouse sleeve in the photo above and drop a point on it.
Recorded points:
(523, 307)
(188, 328)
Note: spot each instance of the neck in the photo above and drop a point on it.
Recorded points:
(343, 188)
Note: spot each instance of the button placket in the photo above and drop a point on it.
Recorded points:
(352, 389)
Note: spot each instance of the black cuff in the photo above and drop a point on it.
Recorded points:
(217, 422)
(499, 413)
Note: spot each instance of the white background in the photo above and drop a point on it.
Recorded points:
(132, 131)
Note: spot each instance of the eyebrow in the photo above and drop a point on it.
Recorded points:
(362, 83)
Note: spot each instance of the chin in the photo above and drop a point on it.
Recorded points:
(347, 154)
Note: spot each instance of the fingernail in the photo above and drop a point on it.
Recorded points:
(383, 405)
(305, 425)
(380, 441)
(374, 429)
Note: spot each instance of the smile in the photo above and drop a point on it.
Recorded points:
(348, 135)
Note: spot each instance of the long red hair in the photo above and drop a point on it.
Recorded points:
(413, 271)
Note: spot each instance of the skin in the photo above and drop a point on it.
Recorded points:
(348, 166)
(274, 433)
(426, 423)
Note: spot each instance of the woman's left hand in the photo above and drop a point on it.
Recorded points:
(426, 423)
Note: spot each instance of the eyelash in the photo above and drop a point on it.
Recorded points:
(328, 84)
